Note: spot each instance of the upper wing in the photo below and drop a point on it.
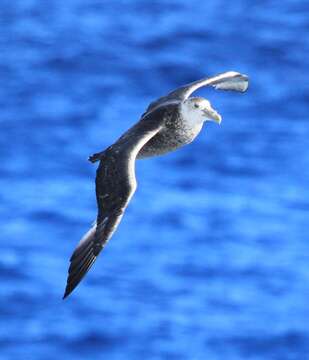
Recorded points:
(115, 185)
(230, 80)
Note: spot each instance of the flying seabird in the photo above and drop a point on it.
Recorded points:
(170, 122)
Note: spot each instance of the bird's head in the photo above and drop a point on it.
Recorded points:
(200, 110)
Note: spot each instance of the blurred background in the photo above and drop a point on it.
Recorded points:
(211, 258)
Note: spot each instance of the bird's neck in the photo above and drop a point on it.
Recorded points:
(191, 119)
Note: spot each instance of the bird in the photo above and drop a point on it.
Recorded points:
(168, 123)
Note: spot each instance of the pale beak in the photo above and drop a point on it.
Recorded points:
(213, 115)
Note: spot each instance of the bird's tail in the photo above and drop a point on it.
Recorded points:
(81, 260)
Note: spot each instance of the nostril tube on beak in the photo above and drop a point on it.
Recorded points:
(213, 115)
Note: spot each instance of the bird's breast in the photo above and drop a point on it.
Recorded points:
(177, 132)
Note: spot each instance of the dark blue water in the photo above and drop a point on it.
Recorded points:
(211, 259)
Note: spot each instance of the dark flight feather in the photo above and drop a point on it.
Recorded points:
(115, 185)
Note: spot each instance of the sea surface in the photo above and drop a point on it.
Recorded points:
(211, 260)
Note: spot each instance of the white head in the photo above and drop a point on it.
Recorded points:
(197, 110)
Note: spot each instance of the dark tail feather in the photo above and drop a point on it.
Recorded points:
(81, 261)
(95, 157)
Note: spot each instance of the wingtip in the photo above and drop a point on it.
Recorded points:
(232, 80)
(67, 292)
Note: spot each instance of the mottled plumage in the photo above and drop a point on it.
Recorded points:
(168, 123)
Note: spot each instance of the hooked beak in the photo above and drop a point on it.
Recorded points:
(213, 115)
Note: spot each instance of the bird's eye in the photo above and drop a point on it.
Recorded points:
(196, 106)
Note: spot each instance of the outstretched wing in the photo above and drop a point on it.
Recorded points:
(115, 185)
(229, 80)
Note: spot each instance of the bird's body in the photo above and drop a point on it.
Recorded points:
(168, 123)
(176, 132)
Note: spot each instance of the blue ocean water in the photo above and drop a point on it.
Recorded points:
(211, 258)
